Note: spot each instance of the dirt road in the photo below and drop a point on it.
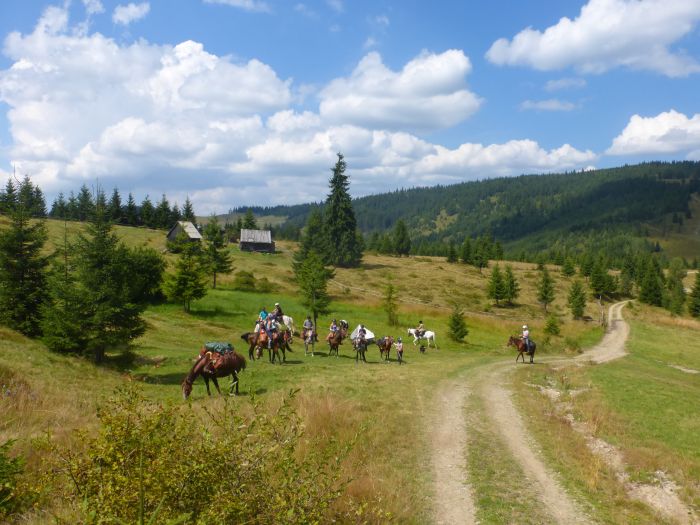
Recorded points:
(454, 501)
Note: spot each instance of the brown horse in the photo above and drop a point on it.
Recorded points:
(519, 345)
(336, 339)
(211, 365)
(279, 342)
(251, 338)
(385, 345)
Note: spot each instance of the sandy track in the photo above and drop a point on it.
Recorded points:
(453, 497)
(454, 502)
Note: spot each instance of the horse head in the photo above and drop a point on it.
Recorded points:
(186, 388)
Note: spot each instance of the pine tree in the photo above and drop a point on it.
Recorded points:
(188, 211)
(451, 253)
(85, 204)
(674, 284)
(147, 213)
(389, 304)
(249, 222)
(131, 212)
(111, 319)
(38, 203)
(312, 277)
(345, 244)
(651, 286)
(568, 269)
(8, 198)
(601, 283)
(551, 326)
(162, 213)
(402, 242)
(114, 209)
(23, 275)
(457, 328)
(217, 256)
(72, 212)
(59, 208)
(63, 314)
(496, 288)
(545, 288)
(512, 288)
(188, 283)
(577, 299)
(313, 239)
(466, 251)
(694, 299)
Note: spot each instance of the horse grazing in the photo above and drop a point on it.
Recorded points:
(210, 366)
(427, 335)
(385, 344)
(520, 346)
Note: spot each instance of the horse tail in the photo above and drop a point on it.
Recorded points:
(245, 336)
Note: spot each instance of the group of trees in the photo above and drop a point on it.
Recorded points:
(81, 207)
(23, 194)
(86, 297)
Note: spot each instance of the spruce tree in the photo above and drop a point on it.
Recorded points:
(217, 256)
(23, 272)
(345, 245)
(147, 213)
(466, 251)
(188, 211)
(162, 213)
(402, 242)
(188, 283)
(85, 204)
(312, 277)
(568, 269)
(63, 314)
(114, 209)
(512, 288)
(694, 299)
(59, 208)
(577, 299)
(313, 239)
(457, 328)
(545, 288)
(451, 253)
(496, 289)
(249, 222)
(131, 212)
(651, 287)
(112, 319)
(8, 198)
(389, 304)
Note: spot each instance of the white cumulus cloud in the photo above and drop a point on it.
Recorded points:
(125, 14)
(668, 132)
(551, 104)
(179, 119)
(428, 93)
(246, 5)
(93, 7)
(607, 34)
(565, 83)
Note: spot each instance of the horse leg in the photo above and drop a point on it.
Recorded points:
(216, 384)
(206, 382)
(234, 383)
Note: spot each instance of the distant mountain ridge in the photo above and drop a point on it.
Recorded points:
(529, 210)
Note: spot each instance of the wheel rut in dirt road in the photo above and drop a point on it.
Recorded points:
(454, 503)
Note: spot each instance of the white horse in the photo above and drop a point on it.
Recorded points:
(428, 335)
(289, 323)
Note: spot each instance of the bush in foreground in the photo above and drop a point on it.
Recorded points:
(204, 466)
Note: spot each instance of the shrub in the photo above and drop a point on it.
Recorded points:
(244, 281)
(264, 286)
(10, 469)
(552, 327)
(214, 466)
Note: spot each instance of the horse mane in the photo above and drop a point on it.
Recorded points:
(195, 370)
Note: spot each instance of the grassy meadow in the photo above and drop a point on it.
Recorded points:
(45, 394)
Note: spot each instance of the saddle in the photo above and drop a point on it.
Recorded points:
(216, 352)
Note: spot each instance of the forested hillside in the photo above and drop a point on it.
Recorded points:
(569, 212)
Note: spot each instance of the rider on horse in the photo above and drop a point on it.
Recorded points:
(333, 328)
(308, 327)
(526, 337)
(361, 334)
(271, 330)
(420, 330)
(277, 313)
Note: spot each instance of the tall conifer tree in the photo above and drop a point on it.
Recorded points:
(345, 244)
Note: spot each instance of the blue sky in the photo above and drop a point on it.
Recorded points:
(236, 102)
